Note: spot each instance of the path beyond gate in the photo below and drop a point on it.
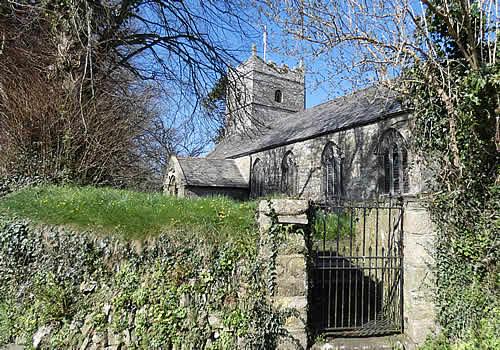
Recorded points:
(357, 275)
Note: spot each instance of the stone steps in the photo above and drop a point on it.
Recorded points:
(372, 343)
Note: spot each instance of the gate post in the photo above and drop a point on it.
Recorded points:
(419, 313)
(287, 258)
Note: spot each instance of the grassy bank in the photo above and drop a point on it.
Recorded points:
(132, 215)
(85, 290)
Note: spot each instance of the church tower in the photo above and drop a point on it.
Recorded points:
(260, 92)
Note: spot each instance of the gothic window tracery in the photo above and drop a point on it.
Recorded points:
(393, 156)
(257, 181)
(332, 174)
(289, 175)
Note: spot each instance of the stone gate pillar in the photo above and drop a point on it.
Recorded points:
(289, 262)
(419, 310)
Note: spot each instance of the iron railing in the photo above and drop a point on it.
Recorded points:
(357, 276)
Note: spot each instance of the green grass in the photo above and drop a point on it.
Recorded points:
(133, 215)
(335, 226)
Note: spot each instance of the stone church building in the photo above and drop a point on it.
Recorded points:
(351, 148)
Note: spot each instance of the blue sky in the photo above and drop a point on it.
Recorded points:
(236, 34)
(315, 93)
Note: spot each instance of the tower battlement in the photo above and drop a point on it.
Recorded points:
(261, 91)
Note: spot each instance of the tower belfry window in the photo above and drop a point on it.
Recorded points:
(278, 96)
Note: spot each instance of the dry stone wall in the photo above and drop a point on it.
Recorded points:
(91, 292)
(62, 289)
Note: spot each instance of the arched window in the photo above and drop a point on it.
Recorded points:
(257, 181)
(278, 96)
(393, 158)
(172, 186)
(332, 173)
(289, 175)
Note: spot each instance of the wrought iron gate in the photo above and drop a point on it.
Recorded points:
(357, 275)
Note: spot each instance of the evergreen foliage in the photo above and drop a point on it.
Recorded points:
(456, 126)
(176, 289)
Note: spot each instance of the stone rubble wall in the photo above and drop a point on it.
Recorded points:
(175, 291)
(288, 267)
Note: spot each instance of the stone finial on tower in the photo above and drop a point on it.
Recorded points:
(254, 49)
(301, 64)
(264, 41)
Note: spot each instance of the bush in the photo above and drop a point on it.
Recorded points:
(485, 337)
(12, 183)
(336, 225)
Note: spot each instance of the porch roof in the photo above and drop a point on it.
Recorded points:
(206, 172)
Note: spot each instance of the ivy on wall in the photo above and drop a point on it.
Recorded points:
(74, 288)
(456, 137)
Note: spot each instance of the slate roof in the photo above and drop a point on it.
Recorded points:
(360, 108)
(212, 172)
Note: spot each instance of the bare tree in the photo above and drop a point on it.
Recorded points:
(442, 57)
(375, 41)
(76, 80)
